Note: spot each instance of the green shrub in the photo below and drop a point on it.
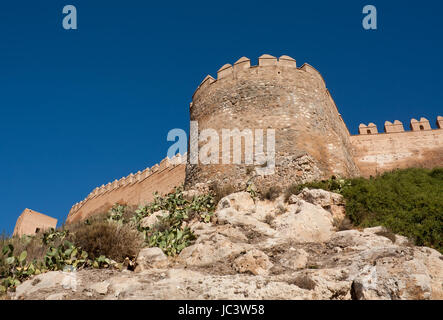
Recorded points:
(103, 240)
(333, 185)
(170, 233)
(17, 265)
(407, 202)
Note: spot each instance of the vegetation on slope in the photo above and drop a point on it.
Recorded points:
(50, 251)
(407, 202)
(171, 233)
(112, 239)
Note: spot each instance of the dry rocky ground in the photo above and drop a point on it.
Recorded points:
(265, 250)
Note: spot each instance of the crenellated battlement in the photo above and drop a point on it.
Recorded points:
(127, 182)
(367, 129)
(397, 126)
(422, 125)
(283, 67)
(421, 146)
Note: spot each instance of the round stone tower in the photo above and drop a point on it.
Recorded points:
(311, 139)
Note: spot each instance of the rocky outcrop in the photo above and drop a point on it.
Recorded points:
(210, 249)
(265, 250)
(240, 201)
(332, 202)
(304, 223)
(254, 261)
(151, 258)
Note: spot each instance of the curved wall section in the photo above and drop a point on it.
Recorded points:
(311, 139)
(134, 189)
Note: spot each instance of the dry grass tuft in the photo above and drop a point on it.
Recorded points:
(220, 192)
(270, 193)
(111, 239)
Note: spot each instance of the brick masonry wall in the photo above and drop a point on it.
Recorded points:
(29, 221)
(131, 190)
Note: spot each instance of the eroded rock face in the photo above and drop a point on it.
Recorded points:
(242, 219)
(210, 249)
(294, 259)
(265, 250)
(255, 262)
(304, 223)
(151, 258)
(240, 201)
(44, 281)
(332, 202)
(100, 287)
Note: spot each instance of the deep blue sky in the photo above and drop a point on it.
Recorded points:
(82, 108)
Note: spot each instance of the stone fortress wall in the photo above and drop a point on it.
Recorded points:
(312, 141)
(396, 148)
(30, 222)
(134, 189)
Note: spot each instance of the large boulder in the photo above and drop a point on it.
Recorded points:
(151, 258)
(245, 220)
(330, 201)
(304, 222)
(240, 201)
(391, 277)
(47, 281)
(210, 249)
